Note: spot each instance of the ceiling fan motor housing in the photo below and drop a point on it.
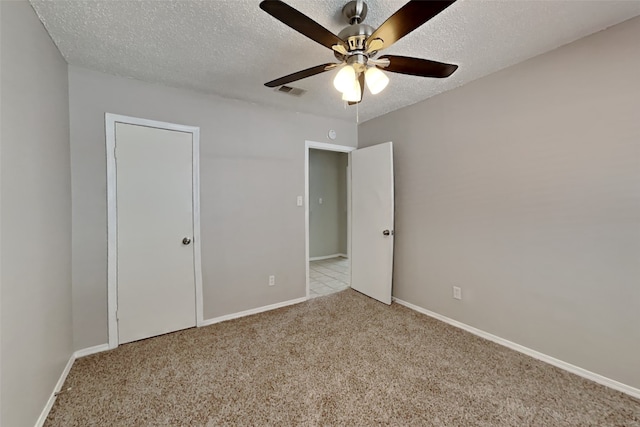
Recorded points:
(355, 36)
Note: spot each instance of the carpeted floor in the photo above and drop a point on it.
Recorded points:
(343, 359)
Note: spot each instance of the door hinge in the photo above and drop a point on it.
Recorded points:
(115, 152)
(117, 316)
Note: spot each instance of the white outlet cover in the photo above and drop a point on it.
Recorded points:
(299, 201)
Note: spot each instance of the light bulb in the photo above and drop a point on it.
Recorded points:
(345, 78)
(354, 93)
(376, 80)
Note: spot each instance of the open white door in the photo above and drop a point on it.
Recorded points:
(372, 221)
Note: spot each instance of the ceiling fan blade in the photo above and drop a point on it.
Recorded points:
(301, 23)
(406, 19)
(301, 75)
(361, 81)
(418, 67)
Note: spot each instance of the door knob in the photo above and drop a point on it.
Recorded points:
(387, 232)
(186, 241)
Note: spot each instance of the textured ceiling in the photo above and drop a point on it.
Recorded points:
(231, 47)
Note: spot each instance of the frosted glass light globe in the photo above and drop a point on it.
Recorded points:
(353, 94)
(376, 80)
(345, 78)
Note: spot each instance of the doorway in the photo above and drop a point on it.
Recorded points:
(370, 218)
(154, 275)
(327, 215)
(329, 269)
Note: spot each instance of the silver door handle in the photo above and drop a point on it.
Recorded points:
(186, 241)
(387, 232)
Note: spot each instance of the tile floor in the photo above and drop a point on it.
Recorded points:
(328, 276)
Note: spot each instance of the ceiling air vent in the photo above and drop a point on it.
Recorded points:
(294, 91)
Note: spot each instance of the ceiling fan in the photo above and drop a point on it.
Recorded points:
(357, 46)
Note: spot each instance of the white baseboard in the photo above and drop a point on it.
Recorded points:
(252, 311)
(91, 350)
(608, 382)
(45, 412)
(76, 355)
(320, 258)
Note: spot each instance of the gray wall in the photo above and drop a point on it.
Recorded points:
(35, 216)
(251, 171)
(327, 221)
(523, 188)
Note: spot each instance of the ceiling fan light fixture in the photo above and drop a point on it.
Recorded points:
(376, 80)
(345, 79)
(357, 45)
(354, 93)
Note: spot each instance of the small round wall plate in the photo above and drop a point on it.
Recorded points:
(332, 134)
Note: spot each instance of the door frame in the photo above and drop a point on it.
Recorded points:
(308, 145)
(112, 218)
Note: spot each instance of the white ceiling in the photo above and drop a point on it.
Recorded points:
(231, 47)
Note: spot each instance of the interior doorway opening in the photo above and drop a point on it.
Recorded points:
(329, 269)
(327, 218)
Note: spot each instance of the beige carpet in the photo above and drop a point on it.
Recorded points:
(343, 359)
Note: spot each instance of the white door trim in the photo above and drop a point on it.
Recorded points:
(112, 219)
(327, 147)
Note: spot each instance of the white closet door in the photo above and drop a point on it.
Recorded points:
(155, 256)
